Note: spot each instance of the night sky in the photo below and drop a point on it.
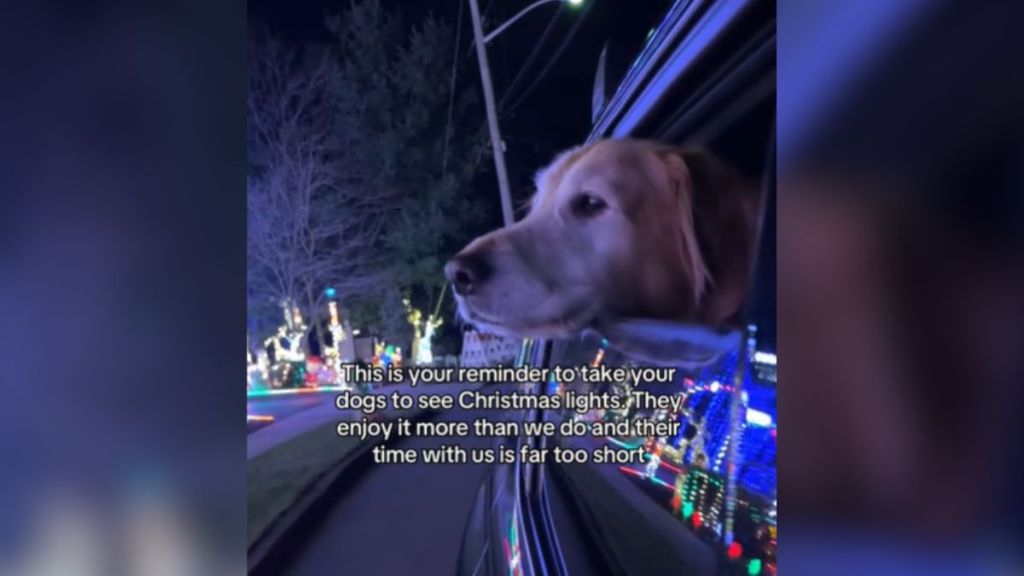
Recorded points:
(540, 115)
(543, 70)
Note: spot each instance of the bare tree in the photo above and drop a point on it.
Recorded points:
(311, 224)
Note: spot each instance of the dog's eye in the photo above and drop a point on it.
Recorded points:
(587, 204)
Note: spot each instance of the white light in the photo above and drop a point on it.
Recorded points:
(765, 358)
(715, 385)
(758, 418)
(575, 2)
(355, 332)
(745, 396)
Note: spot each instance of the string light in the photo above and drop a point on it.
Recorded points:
(423, 330)
(661, 482)
(734, 437)
(671, 467)
(513, 555)
(287, 391)
(640, 474)
(759, 418)
(725, 442)
(622, 444)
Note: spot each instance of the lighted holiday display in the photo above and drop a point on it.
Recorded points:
(340, 348)
(423, 334)
(386, 355)
(700, 492)
(708, 409)
(424, 330)
(728, 415)
(257, 368)
(287, 360)
(513, 555)
(654, 459)
(282, 366)
(292, 391)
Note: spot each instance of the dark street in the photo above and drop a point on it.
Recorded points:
(399, 519)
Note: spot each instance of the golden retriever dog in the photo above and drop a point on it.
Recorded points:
(617, 229)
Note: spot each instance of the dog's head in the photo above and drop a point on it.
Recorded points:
(617, 229)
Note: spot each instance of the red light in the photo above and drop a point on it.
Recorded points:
(671, 467)
(734, 551)
(697, 520)
(631, 471)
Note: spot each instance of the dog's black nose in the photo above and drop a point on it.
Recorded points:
(467, 272)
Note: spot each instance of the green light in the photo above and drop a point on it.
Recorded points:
(575, 2)
(687, 509)
(754, 567)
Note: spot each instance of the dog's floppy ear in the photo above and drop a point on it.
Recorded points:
(717, 218)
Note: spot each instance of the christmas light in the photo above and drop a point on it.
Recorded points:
(754, 566)
(423, 331)
(758, 418)
(652, 464)
(424, 355)
(661, 482)
(258, 418)
(671, 467)
(631, 471)
(286, 391)
(687, 509)
(622, 444)
(734, 551)
(511, 545)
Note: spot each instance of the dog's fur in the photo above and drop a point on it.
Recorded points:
(673, 242)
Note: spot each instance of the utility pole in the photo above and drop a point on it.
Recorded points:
(492, 116)
(497, 144)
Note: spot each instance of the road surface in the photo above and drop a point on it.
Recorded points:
(284, 406)
(399, 519)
